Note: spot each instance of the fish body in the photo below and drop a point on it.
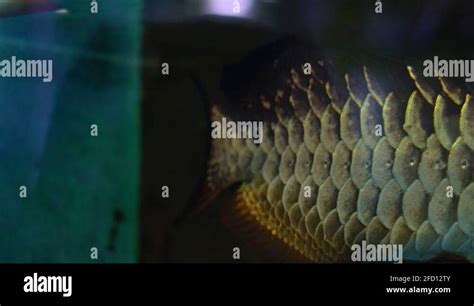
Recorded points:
(20, 7)
(350, 158)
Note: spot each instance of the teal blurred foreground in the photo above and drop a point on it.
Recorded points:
(81, 190)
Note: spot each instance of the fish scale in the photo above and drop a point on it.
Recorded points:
(388, 188)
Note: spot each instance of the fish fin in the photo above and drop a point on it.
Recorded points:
(240, 220)
(212, 184)
(214, 181)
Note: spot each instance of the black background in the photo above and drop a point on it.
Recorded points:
(250, 284)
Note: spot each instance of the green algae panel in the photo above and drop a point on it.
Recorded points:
(82, 190)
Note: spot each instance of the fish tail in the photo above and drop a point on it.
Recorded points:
(215, 176)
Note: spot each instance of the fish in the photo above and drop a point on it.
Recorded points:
(346, 156)
(9, 8)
